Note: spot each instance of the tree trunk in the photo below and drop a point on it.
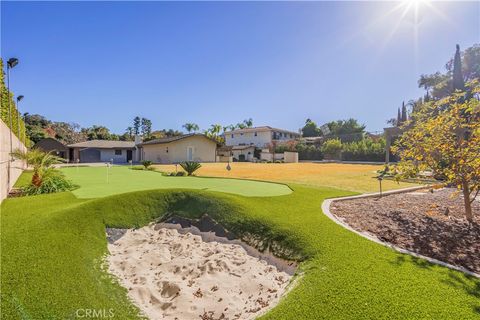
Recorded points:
(466, 199)
(36, 180)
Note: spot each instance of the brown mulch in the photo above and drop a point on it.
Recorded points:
(429, 223)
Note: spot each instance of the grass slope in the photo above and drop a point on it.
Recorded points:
(52, 247)
(93, 182)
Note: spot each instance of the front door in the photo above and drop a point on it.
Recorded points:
(129, 155)
(189, 153)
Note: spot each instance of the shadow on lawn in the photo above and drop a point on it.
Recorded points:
(468, 283)
(455, 279)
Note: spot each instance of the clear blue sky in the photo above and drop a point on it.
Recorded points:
(222, 62)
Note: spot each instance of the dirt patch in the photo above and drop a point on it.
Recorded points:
(429, 223)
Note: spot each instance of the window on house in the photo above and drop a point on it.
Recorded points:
(241, 134)
(291, 136)
(232, 136)
(167, 149)
(118, 152)
(255, 134)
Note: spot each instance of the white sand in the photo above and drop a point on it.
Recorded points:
(171, 275)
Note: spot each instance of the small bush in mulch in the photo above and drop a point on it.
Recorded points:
(429, 223)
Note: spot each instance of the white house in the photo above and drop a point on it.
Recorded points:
(259, 137)
(103, 151)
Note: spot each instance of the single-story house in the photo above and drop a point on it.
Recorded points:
(52, 146)
(187, 147)
(103, 151)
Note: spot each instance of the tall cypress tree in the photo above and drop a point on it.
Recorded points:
(136, 125)
(458, 82)
(426, 98)
(404, 112)
(399, 118)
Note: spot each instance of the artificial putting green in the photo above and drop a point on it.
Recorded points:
(101, 181)
(52, 248)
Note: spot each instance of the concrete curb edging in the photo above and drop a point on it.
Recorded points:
(326, 210)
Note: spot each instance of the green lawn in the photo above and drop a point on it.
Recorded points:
(24, 179)
(99, 182)
(52, 247)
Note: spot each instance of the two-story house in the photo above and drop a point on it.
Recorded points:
(258, 137)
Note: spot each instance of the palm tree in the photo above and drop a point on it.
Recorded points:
(190, 167)
(248, 122)
(191, 127)
(40, 161)
(214, 132)
(241, 125)
(230, 127)
(215, 129)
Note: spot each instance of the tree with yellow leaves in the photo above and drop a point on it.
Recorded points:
(444, 137)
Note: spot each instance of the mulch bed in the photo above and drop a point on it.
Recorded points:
(429, 223)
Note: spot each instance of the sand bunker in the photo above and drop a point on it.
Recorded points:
(170, 275)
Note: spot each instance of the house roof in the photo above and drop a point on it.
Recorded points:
(231, 148)
(242, 147)
(49, 144)
(260, 129)
(104, 144)
(175, 138)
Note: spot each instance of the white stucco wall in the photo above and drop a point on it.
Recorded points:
(9, 170)
(248, 138)
(290, 157)
(248, 157)
(261, 140)
(266, 156)
(204, 150)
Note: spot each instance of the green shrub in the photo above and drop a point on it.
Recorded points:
(45, 179)
(52, 181)
(332, 148)
(175, 174)
(190, 166)
(364, 150)
(147, 164)
(309, 152)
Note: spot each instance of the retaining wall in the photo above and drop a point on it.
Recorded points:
(10, 169)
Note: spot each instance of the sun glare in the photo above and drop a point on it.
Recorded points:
(411, 12)
(415, 2)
